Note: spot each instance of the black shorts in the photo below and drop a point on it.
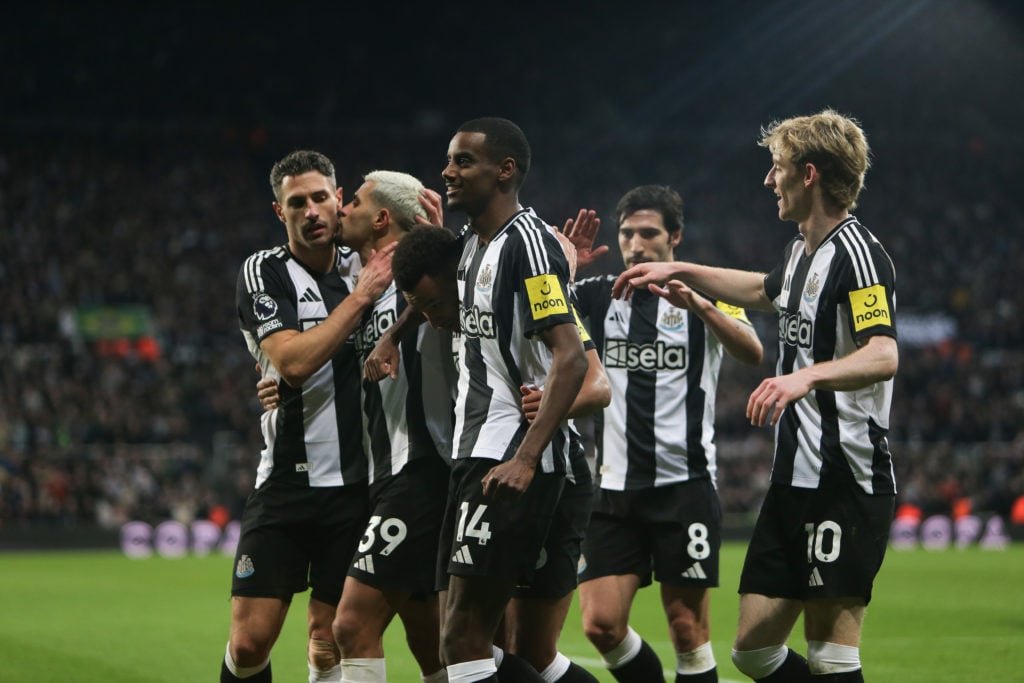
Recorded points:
(399, 546)
(295, 538)
(557, 566)
(674, 531)
(819, 543)
(484, 537)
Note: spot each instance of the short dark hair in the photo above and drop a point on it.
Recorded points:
(504, 139)
(299, 162)
(660, 198)
(425, 250)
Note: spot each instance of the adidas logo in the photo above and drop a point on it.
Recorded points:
(309, 296)
(245, 567)
(365, 563)
(462, 556)
(815, 579)
(695, 572)
(616, 317)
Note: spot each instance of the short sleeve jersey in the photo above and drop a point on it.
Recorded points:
(830, 302)
(663, 365)
(314, 437)
(510, 290)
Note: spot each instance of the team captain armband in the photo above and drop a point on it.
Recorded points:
(733, 311)
(546, 296)
(869, 307)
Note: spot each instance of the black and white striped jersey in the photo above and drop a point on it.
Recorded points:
(663, 364)
(829, 302)
(410, 417)
(314, 437)
(509, 290)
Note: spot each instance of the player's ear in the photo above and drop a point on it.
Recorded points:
(507, 169)
(279, 211)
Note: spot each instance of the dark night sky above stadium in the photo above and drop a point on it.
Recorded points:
(564, 65)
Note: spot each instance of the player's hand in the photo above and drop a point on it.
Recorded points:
(431, 202)
(382, 361)
(641, 275)
(582, 232)
(531, 401)
(773, 396)
(680, 296)
(375, 276)
(266, 392)
(508, 481)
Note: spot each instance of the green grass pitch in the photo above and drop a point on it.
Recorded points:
(955, 615)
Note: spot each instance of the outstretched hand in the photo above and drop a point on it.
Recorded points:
(642, 275)
(582, 231)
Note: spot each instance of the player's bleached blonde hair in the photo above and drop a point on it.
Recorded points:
(834, 143)
(398, 193)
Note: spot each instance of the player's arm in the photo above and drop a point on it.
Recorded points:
(595, 394)
(297, 355)
(384, 361)
(875, 361)
(737, 287)
(731, 328)
(568, 368)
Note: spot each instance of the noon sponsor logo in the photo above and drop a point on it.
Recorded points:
(477, 323)
(869, 307)
(619, 353)
(545, 295)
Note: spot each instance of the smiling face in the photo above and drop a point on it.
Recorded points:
(786, 180)
(309, 210)
(471, 176)
(438, 301)
(643, 238)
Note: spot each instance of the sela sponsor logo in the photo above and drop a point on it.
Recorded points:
(671, 320)
(476, 323)
(373, 329)
(619, 353)
(267, 327)
(795, 330)
(263, 306)
(545, 295)
(870, 307)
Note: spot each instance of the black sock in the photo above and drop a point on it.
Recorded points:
(577, 674)
(515, 669)
(227, 677)
(643, 668)
(793, 670)
(842, 677)
(709, 676)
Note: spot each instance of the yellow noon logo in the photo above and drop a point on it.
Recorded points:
(545, 295)
(869, 307)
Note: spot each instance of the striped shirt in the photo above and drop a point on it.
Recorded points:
(410, 417)
(662, 363)
(830, 302)
(510, 290)
(313, 438)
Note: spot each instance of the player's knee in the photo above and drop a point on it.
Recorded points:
(759, 663)
(247, 650)
(687, 631)
(831, 658)
(322, 653)
(604, 632)
(346, 629)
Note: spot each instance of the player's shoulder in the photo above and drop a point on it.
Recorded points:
(261, 264)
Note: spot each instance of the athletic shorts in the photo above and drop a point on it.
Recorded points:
(293, 539)
(556, 569)
(819, 543)
(484, 537)
(398, 550)
(674, 531)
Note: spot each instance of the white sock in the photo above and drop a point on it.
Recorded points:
(332, 675)
(242, 671)
(830, 658)
(761, 662)
(556, 669)
(467, 672)
(439, 676)
(363, 671)
(696, 661)
(624, 652)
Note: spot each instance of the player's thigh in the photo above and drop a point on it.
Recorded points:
(765, 621)
(257, 622)
(834, 621)
(362, 611)
(605, 602)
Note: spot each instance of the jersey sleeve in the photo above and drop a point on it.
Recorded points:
(869, 291)
(542, 275)
(263, 298)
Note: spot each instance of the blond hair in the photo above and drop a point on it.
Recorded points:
(398, 193)
(834, 143)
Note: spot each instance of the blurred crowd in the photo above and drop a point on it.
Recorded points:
(164, 425)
